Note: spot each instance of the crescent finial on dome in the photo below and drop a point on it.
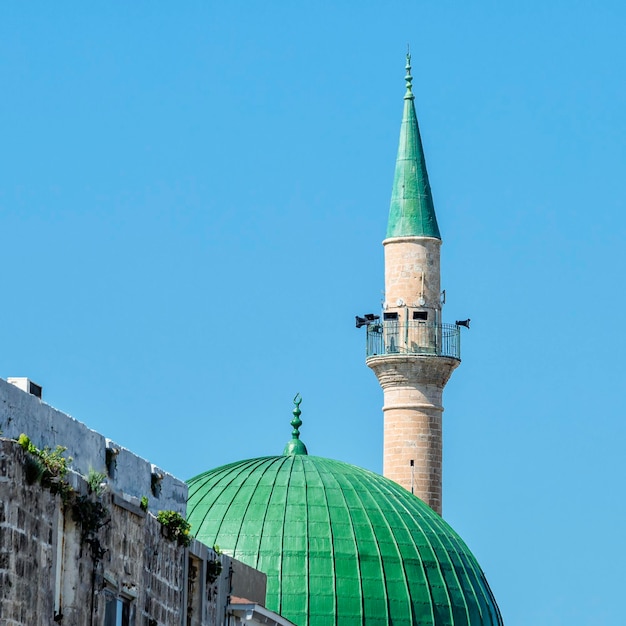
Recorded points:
(295, 446)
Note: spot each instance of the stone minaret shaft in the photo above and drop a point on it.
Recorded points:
(411, 352)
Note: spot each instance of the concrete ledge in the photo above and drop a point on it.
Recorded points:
(126, 504)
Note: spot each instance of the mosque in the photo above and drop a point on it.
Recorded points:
(342, 545)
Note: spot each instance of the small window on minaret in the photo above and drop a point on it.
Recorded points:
(420, 315)
(390, 316)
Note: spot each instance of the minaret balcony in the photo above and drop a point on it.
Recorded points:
(413, 338)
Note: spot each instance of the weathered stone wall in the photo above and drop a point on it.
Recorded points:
(48, 570)
(52, 572)
(27, 523)
(21, 412)
(206, 596)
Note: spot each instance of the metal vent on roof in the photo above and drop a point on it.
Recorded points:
(27, 385)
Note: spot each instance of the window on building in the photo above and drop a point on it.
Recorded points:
(390, 316)
(420, 315)
(119, 611)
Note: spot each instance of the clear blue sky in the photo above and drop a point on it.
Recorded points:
(192, 200)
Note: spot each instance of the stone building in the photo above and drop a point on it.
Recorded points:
(80, 541)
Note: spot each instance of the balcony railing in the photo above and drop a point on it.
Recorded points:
(413, 337)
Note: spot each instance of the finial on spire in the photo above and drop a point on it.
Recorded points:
(409, 79)
(295, 446)
(296, 422)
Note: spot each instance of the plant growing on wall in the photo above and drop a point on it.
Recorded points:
(214, 566)
(96, 481)
(175, 527)
(33, 469)
(91, 516)
(46, 466)
(49, 467)
(143, 505)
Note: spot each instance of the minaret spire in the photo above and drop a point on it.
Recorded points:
(409, 79)
(412, 212)
(412, 353)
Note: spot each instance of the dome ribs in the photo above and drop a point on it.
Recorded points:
(397, 592)
(264, 516)
(233, 482)
(341, 546)
(482, 610)
(271, 510)
(320, 544)
(417, 577)
(346, 598)
(247, 543)
(294, 545)
(445, 543)
(215, 483)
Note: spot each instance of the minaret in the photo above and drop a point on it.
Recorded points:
(411, 352)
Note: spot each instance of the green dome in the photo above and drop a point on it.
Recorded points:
(340, 545)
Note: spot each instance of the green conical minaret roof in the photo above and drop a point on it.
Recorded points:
(412, 212)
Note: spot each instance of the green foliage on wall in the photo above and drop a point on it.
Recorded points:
(175, 527)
